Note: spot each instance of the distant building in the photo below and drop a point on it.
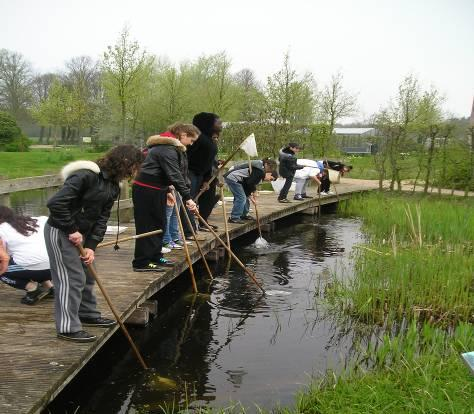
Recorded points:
(355, 140)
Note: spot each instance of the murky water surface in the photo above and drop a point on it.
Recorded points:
(232, 343)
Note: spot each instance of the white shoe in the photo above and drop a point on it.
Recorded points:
(331, 193)
(324, 193)
(165, 250)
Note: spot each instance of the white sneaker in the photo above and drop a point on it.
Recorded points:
(324, 193)
(165, 250)
(331, 193)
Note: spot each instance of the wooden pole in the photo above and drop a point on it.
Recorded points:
(201, 252)
(94, 274)
(258, 219)
(185, 246)
(224, 213)
(246, 269)
(319, 201)
(137, 236)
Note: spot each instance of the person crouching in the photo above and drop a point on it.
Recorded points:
(243, 183)
(79, 212)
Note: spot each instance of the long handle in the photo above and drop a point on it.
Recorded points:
(196, 198)
(185, 246)
(224, 213)
(319, 201)
(246, 269)
(190, 225)
(258, 218)
(137, 236)
(94, 274)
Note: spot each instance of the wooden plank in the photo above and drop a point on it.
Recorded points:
(36, 366)
(30, 183)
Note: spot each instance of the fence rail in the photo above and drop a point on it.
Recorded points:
(44, 182)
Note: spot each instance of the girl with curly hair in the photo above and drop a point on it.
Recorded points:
(79, 212)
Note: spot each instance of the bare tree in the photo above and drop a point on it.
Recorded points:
(334, 102)
(15, 83)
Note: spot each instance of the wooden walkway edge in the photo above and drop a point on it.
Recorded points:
(36, 366)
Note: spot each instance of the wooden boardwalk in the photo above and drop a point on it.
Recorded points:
(36, 366)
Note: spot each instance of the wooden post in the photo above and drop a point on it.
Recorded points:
(5, 200)
(127, 213)
(139, 317)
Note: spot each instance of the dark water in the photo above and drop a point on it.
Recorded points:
(31, 203)
(233, 344)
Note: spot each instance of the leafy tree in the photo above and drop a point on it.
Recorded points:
(57, 109)
(11, 137)
(289, 103)
(125, 68)
(15, 83)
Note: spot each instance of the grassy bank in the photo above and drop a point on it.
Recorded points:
(28, 164)
(414, 278)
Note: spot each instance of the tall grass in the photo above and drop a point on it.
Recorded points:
(419, 261)
(416, 372)
(446, 219)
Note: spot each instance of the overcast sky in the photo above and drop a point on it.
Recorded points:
(373, 42)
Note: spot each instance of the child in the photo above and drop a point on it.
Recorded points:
(287, 169)
(29, 265)
(79, 212)
(243, 183)
(310, 171)
(186, 134)
(165, 165)
(324, 166)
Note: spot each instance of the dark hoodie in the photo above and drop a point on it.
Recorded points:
(202, 154)
(288, 163)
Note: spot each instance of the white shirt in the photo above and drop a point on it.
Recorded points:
(306, 172)
(27, 251)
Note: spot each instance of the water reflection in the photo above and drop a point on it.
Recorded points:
(233, 344)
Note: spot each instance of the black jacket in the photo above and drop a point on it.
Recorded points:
(166, 164)
(288, 163)
(202, 155)
(249, 180)
(84, 202)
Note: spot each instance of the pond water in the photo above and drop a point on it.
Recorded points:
(233, 344)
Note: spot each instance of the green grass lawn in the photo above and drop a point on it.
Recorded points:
(28, 164)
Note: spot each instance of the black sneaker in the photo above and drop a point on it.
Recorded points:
(34, 296)
(284, 200)
(247, 218)
(51, 293)
(235, 221)
(298, 198)
(150, 267)
(101, 322)
(305, 196)
(79, 336)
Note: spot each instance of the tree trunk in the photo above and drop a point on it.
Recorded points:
(41, 135)
(429, 163)
(124, 111)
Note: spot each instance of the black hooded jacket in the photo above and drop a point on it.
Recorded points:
(202, 154)
(288, 163)
(165, 165)
(84, 202)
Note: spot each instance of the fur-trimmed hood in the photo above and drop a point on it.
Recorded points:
(162, 140)
(74, 166)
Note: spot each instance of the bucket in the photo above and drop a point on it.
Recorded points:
(278, 185)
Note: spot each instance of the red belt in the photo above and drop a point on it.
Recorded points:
(146, 185)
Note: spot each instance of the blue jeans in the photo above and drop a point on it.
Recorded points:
(241, 202)
(172, 227)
